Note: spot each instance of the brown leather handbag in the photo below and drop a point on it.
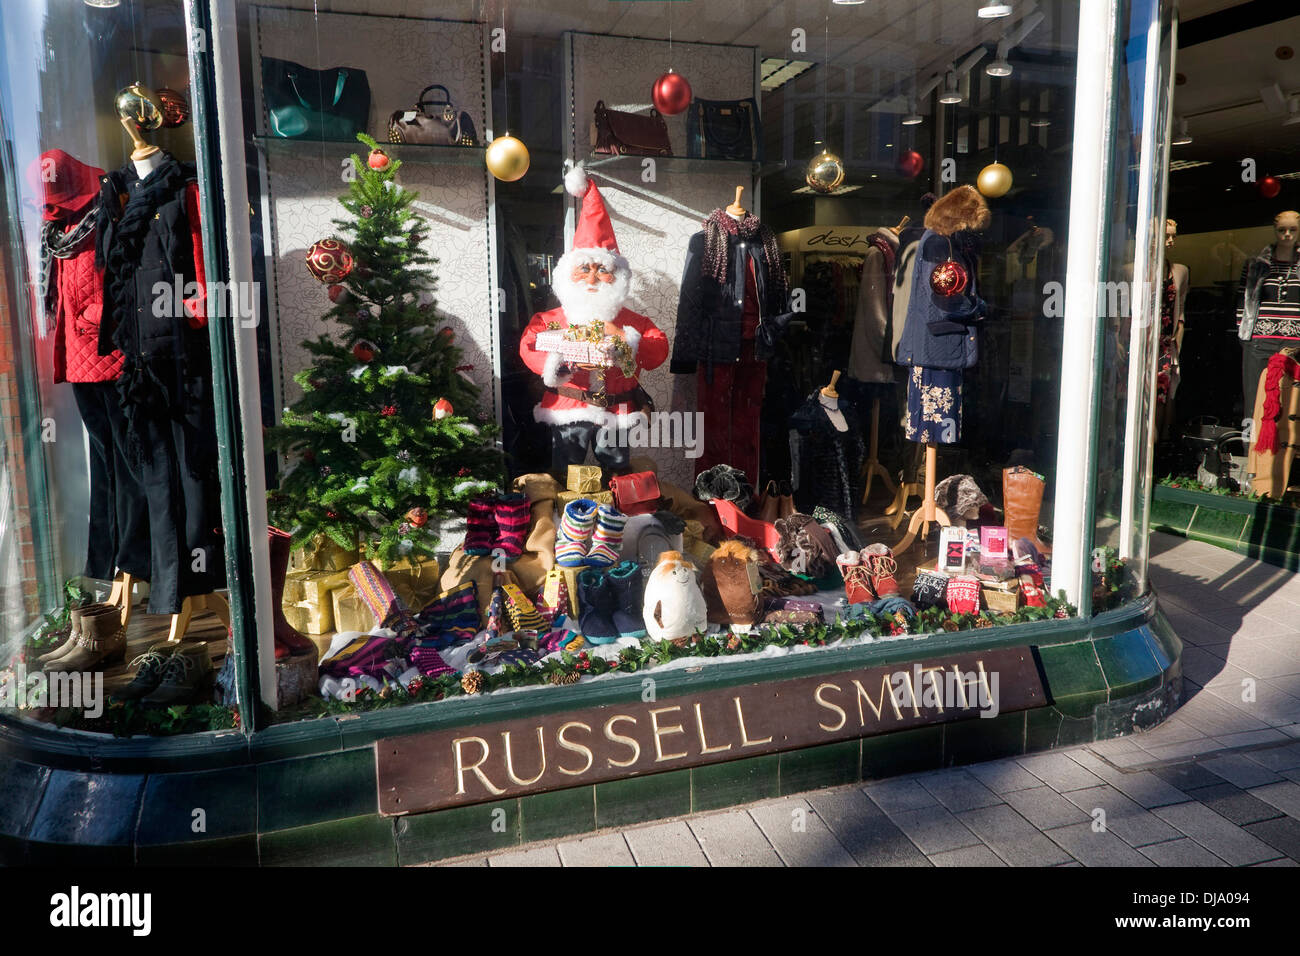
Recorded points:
(435, 121)
(616, 133)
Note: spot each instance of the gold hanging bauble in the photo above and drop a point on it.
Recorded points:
(994, 180)
(507, 158)
(141, 106)
(825, 172)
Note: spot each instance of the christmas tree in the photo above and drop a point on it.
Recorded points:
(386, 441)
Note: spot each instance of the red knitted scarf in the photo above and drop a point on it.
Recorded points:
(1279, 365)
(718, 226)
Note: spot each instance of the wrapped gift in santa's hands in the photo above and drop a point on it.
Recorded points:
(595, 343)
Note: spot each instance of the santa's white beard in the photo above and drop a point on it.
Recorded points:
(582, 304)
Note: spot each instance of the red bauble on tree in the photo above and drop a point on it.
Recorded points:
(378, 159)
(329, 261)
(1269, 187)
(338, 293)
(363, 351)
(910, 163)
(671, 94)
(418, 517)
(442, 408)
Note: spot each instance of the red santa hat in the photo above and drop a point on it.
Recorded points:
(593, 238)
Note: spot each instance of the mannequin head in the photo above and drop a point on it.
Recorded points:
(1171, 233)
(1285, 226)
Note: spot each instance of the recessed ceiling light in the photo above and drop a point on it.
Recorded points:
(103, 4)
(848, 3)
(1040, 123)
(888, 145)
(991, 11)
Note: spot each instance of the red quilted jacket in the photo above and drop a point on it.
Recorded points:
(69, 187)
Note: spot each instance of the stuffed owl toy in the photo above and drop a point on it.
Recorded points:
(674, 606)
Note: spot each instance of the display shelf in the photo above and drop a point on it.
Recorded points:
(406, 152)
(679, 163)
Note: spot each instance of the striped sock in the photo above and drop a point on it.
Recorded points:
(451, 617)
(496, 611)
(576, 524)
(481, 524)
(607, 541)
(512, 514)
(520, 610)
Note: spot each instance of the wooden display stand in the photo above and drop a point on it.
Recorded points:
(872, 466)
(929, 513)
(122, 592)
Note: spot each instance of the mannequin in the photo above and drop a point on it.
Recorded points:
(1173, 297)
(825, 452)
(733, 304)
(1268, 307)
(940, 339)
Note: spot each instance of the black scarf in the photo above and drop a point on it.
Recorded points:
(58, 244)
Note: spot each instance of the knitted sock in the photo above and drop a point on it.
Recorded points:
(481, 524)
(388, 609)
(512, 514)
(545, 609)
(520, 610)
(607, 540)
(574, 536)
(451, 617)
(496, 613)
(426, 659)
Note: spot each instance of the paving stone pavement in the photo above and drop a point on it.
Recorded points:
(1218, 784)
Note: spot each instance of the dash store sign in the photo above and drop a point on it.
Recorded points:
(550, 752)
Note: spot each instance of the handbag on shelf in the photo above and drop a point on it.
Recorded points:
(435, 121)
(636, 494)
(724, 129)
(302, 103)
(617, 133)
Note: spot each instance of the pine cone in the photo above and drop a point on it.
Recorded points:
(471, 682)
(950, 625)
(983, 622)
(561, 678)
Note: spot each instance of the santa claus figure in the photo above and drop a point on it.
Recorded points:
(592, 406)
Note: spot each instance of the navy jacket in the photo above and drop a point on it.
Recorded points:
(942, 331)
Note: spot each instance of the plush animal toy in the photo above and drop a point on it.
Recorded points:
(731, 586)
(674, 606)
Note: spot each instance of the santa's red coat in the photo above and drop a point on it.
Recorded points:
(651, 350)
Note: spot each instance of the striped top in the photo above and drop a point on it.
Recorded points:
(1279, 300)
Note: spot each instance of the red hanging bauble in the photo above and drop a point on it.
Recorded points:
(388, 410)
(363, 351)
(910, 163)
(1269, 187)
(338, 293)
(378, 159)
(671, 94)
(442, 408)
(329, 261)
(418, 517)
(949, 278)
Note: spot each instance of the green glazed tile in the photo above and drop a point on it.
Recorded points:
(227, 851)
(1076, 730)
(1171, 516)
(88, 809)
(828, 765)
(903, 751)
(1128, 664)
(636, 799)
(737, 781)
(439, 834)
(984, 738)
(1163, 643)
(1212, 525)
(558, 813)
(228, 799)
(1074, 678)
(1042, 728)
(307, 790)
(358, 841)
(21, 787)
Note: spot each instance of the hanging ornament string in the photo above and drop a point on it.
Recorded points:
(671, 93)
(506, 157)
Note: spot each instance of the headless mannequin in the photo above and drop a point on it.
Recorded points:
(830, 402)
(147, 158)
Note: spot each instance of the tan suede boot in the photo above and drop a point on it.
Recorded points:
(102, 642)
(71, 642)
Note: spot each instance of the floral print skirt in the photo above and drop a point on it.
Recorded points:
(934, 406)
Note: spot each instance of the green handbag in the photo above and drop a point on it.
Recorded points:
(302, 103)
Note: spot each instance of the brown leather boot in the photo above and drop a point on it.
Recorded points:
(1022, 499)
(73, 637)
(102, 641)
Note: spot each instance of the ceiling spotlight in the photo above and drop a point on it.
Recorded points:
(1040, 123)
(1000, 66)
(1183, 138)
(848, 3)
(1293, 111)
(951, 94)
(913, 118)
(991, 11)
(104, 4)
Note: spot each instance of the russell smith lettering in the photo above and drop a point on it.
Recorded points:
(448, 768)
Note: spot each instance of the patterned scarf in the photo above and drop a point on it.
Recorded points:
(58, 244)
(719, 227)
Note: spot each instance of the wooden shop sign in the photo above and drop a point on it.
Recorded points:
(509, 758)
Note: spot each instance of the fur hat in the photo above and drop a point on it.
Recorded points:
(962, 209)
(958, 495)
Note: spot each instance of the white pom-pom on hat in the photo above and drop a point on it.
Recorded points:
(575, 181)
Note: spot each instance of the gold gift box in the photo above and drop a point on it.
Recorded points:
(413, 579)
(584, 479)
(600, 497)
(999, 601)
(312, 587)
(310, 618)
(322, 554)
(350, 612)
